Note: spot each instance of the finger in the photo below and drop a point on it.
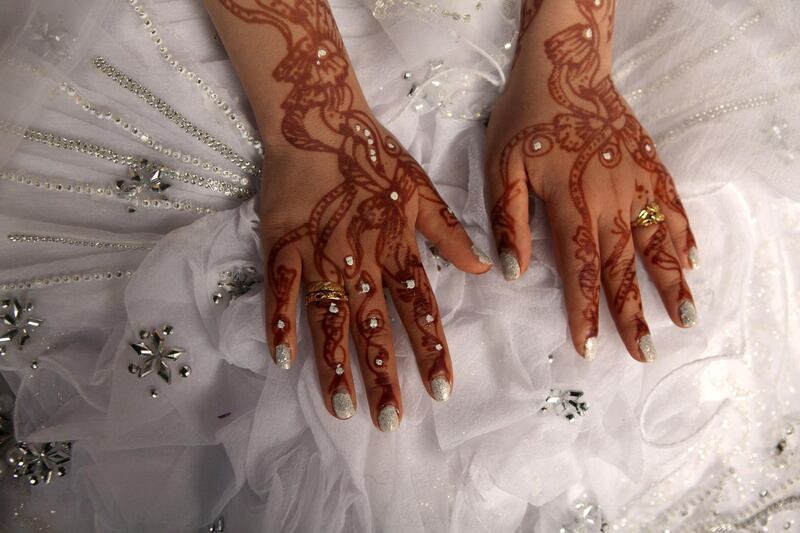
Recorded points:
(372, 336)
(676, 219)
(662, 264)
(437, 222)
(328, 321)
(507, 201)
(413, 297)
(284, 268)
(578, 263)
(622, 287)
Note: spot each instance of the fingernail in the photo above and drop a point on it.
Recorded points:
(590, 349)
(343, 405)
(283, 356)
(482, 257)
(694, 258)
(389, 418)
(440, 389)
(687, 313)
(647, 348)
(510, 265)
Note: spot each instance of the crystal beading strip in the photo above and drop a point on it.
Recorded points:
(140, 135)
(95, 191)
(63, 279)
(174, 116)
(723, 109)
(100, 152)
(710, 52)
(35, 238)
(208, 92)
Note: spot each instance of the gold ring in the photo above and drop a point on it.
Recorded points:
(651, 214)
(320, 291)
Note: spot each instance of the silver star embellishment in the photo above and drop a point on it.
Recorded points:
(155, 353)
(49, 40)
(18, 324)
(39, 462)
(144, 181)
(236, 283)
(566, 403)
(588, 518)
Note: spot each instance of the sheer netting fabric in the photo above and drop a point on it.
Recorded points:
(140, 394)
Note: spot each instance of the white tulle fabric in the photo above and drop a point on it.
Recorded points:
(662, 446)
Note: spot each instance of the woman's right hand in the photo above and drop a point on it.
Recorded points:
(350, 218)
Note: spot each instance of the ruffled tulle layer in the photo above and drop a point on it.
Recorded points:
(704, 436)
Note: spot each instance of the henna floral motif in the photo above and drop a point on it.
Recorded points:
(594, 126)
(380, 182)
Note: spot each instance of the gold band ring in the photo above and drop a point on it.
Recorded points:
(650, 215)
(321, 291)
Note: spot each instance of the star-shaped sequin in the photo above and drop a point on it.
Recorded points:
(156, 355)
(144, 181)
(39, 462)
(235, 283)
(566, 403)
(49, 40)
(17, 322)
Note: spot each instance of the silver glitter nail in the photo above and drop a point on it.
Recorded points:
(440, 389)
(510, 264)
(647, 348)
(482, 257)
(688, 313)
(343, 405)
(694, 259)
(389, 418)
(590, 349)
(283, 356)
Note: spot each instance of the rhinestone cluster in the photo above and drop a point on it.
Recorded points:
(174, 116)
(208, 92)
(147, 139)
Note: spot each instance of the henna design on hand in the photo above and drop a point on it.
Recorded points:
(623, 268)
(381, 184)
(594, 125)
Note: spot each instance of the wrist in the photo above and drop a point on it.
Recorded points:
(553, 32)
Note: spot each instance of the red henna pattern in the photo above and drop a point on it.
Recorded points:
(622, 268)
(656, 252)
(596, 125)
(380, 180)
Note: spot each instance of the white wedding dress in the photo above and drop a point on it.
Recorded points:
(103, 104)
